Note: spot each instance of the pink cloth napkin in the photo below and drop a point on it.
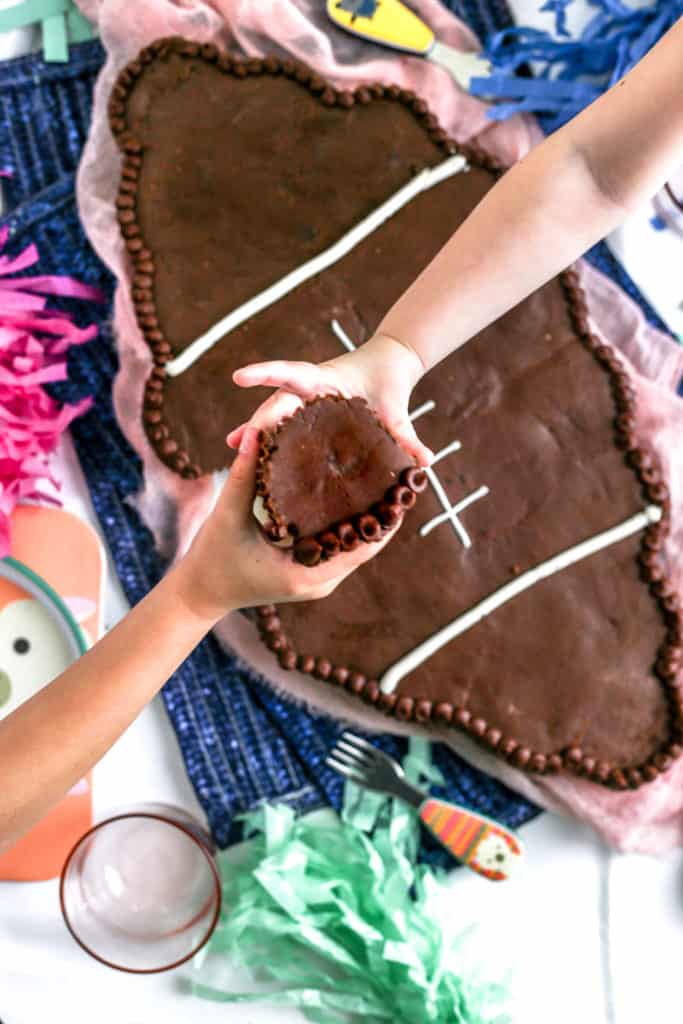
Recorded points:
(650, 819)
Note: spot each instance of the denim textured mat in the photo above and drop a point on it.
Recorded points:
(241, 743)
(44, 118)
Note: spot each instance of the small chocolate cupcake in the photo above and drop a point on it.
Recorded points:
(332, 476)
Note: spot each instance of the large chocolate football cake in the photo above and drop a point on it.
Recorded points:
(525, 600)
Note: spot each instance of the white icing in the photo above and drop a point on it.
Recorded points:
(427, 179)
(341, 334)
(409, 662)
(260, 511)
(262, 515)
(450, 512)
(422, 409)
(454, 446)
(452, 515)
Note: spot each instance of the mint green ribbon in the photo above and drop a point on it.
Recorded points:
(61, 22)
(335, 916)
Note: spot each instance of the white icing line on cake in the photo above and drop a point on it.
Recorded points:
(454, 446)
(452, 515)
(450, 512)
(341, 334)
(409, 662)
(425, 180)
(427, 406)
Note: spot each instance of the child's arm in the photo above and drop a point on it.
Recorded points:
(570, 191)
(52, 740)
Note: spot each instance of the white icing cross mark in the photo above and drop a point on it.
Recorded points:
(422, 409)
(450, 512)
(342, 336)
(423, 181)
(409, 662)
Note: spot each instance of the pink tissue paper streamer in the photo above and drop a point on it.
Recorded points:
(33, 347)
(649, 819)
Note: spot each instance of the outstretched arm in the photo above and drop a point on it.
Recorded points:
(52, 740)
(568, 193)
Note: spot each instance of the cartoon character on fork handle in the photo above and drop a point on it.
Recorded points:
(485, 847)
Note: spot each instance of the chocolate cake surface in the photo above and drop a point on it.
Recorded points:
(235, 173)
(332, 475)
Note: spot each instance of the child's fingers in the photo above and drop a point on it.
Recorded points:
(239, 488)
(404, 432)
(408, 437)
(274, 409)
(235, 436)
(303, 379)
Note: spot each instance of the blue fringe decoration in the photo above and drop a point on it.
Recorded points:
(570, 73)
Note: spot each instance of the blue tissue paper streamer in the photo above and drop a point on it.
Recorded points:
(569, 73)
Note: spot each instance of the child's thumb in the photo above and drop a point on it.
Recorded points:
(405, 432)
(239, 489)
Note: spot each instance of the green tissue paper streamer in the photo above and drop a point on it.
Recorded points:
(55, 41)
(30, 12)
(61, 22)
(337, 918)
(78, 27)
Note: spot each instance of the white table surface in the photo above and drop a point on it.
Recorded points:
(595, 937)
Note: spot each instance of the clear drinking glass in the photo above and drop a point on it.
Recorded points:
(141, 891)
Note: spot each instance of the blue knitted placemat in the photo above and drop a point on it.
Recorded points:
(241, 743)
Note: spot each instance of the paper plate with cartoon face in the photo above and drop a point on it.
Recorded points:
(39, 634)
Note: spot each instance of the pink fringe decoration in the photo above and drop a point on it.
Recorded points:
(33, 347)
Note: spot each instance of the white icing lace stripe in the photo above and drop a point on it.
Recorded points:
(452, 514)
(342, 336)
(409, 662)
(427, 179)
(454, 446)
(422, 409)
(450, 511)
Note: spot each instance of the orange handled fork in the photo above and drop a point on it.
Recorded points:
(477, 842)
